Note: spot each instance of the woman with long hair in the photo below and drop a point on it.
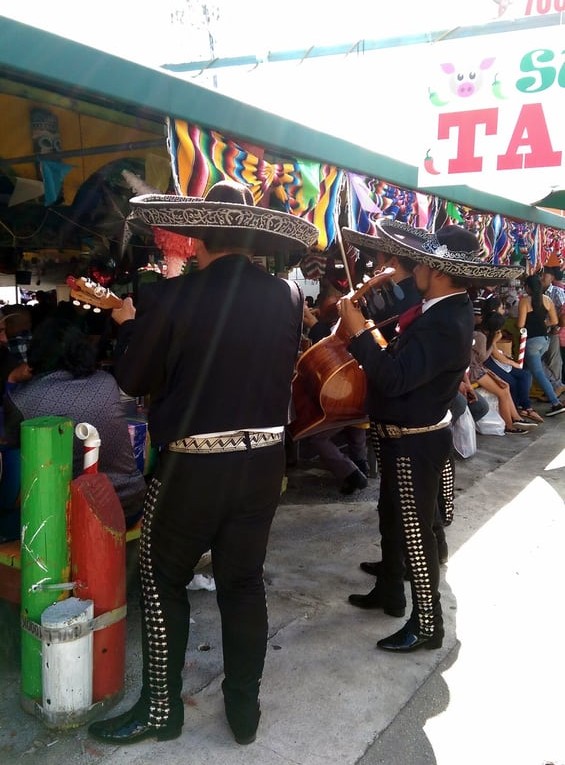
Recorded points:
(491, 382)
(518, 378)
(536, 312)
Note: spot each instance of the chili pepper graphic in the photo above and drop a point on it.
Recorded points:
(435, 98)
(497, 88)
(429, 164)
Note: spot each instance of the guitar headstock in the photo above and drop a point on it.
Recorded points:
(90, 294)
(383, 276)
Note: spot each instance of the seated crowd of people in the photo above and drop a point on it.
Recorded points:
(51, 367)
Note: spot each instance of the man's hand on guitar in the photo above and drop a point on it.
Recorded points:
(125, 312)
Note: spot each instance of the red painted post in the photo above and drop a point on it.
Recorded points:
(98, 566)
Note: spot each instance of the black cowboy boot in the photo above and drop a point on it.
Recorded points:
(134, 725)
(387, 595)
(161, 719)
(410, 638)
(242, 712)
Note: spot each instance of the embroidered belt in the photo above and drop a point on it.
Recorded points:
(395, 431)
(240, 441)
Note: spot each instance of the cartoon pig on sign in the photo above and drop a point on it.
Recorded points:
(465, 83)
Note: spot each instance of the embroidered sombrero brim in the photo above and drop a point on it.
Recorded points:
(397, 238)
(249, 225)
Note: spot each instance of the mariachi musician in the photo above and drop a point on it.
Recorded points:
(215, 350)
(411, 385)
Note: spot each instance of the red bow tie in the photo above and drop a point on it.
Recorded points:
(406, 318)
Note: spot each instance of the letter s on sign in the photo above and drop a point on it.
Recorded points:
(543, 77)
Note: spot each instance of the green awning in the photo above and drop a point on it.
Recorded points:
(35, 57)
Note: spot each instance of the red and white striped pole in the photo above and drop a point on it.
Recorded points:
(522, 347)
(89, 435)
(98, 566)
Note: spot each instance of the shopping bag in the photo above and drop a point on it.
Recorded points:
(492, 423)
(464, 435)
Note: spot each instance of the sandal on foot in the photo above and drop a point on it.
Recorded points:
(531, 414)
(526, 424)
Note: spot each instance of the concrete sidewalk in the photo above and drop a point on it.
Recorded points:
(491, 694)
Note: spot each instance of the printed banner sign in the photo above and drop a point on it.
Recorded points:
(495, 110)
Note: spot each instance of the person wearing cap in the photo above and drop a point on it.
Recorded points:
(215, 351)
(411, 385)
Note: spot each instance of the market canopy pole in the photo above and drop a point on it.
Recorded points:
(46, 471)
(362, 46)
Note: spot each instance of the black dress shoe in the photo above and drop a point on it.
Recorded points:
(245, 739)
(133, 726)
(243, 712)
(406, 640)
(377, 599)
(243, 724)
(355, 480)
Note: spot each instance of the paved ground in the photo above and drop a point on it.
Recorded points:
(492, 694)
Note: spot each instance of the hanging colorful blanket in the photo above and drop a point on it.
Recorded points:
(202, 157)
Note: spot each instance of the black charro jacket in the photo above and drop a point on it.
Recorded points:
(413, 382)
(215, 350)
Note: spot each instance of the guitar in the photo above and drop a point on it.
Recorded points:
(90, 294)
(329, 387)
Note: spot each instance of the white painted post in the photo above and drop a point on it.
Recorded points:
(67, 663)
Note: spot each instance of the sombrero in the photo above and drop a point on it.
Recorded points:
(227, 209)
(452, 249)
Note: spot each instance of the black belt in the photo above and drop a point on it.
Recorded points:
(240, 441)
(395, 431)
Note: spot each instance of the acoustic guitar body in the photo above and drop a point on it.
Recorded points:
(328, 390)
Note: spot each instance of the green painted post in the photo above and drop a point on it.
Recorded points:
(46, 472)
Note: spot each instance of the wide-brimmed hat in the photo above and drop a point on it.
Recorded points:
(227, 208)
(452, 249)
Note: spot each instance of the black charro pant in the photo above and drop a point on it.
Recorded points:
(411, 471)
(198, 502)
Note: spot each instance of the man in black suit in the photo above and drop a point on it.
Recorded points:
(411, 385)
(215, 351)
(384, 306)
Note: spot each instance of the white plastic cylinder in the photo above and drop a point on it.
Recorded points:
(91, 438)
(67, 665)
